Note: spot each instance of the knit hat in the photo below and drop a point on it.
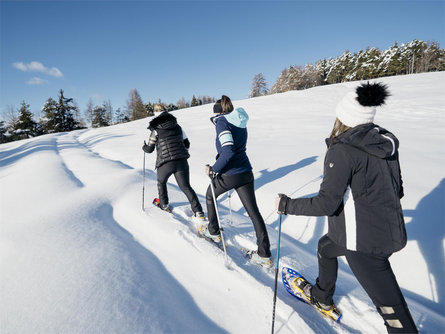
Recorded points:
(359, 107)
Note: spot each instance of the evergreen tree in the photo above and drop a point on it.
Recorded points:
(3, 132)
(135, 106)
(59, 116)
(171, 107)
(259, 86)
(121, 116)
(25, 127)
(194, 102)
(48, 121)
(150, 108)
(100, 117)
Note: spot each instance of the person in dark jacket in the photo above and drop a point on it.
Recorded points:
(232, 170)
(360, 194)
(172, 146)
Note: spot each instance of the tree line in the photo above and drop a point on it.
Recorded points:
(414, 57)
(63, 114)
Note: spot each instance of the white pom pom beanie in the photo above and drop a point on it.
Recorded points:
(351, 113)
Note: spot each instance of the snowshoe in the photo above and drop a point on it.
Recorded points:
(300, 288)
(164, 207)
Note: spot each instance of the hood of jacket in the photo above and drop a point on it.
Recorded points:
(164, 121)
(369, 138)
(237, 117)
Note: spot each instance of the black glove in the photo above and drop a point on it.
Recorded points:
(145, 147)
(212, 173)
(282, 206)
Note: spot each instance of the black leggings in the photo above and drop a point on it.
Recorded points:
(180, 168)
(375, 275)
(243, 184)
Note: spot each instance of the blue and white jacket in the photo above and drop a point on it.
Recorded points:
(231, 140)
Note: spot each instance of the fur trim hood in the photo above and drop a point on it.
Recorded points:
(163, 121)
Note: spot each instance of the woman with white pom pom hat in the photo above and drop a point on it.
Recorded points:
(360, 194)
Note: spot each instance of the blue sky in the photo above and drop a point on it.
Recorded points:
(173, 49)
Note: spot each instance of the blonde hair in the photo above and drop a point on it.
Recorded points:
(338, 128)
(226, 104)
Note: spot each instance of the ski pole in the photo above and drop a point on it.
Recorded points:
(276, 272)
(219, 223)
(143, 185)
(230, 209)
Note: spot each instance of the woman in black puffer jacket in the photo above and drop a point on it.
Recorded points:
(172, 146)
(360, 194)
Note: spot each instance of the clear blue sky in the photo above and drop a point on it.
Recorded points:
(174, 49)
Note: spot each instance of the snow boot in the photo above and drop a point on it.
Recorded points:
(265, 262)
(203, 231)
(304, 289)
(199, 217)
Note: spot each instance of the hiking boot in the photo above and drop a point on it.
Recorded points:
(265, 262)
(165, 207)
(199, 216)
(203, 231)
(305, 288)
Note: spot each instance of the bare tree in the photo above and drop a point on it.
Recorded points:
(259, 86)
(135, 106)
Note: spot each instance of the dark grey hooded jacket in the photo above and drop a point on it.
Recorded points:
(169, 139)
(360, 192)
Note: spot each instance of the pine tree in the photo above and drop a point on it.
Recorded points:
(150, 108)
(59, 116)
(135, 106)
(48, 121)
(3, 132)
(194, 102)
(259, 86)
(171, 107)
(65, 112)
(25, 127)
(121, 116)
(100, 118)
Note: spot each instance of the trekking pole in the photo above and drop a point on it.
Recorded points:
(230, 209)
(276, 272)
(143, 185)
(219, 223)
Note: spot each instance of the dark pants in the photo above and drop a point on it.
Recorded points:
(375, 275)
(180, 168)
(243, 184)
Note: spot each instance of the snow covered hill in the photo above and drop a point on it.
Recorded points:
(78, 254)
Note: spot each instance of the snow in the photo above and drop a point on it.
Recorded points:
(78, 255)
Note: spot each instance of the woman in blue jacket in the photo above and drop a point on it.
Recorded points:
(232, 170)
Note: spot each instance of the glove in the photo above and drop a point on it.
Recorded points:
(282, 204)
(145, 147)
(210, 172)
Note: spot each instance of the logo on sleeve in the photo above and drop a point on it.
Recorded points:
(331, 164)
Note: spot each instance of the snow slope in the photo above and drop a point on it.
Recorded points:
(78, 254)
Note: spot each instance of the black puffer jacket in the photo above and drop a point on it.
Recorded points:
(168, 138)
(360, 192)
